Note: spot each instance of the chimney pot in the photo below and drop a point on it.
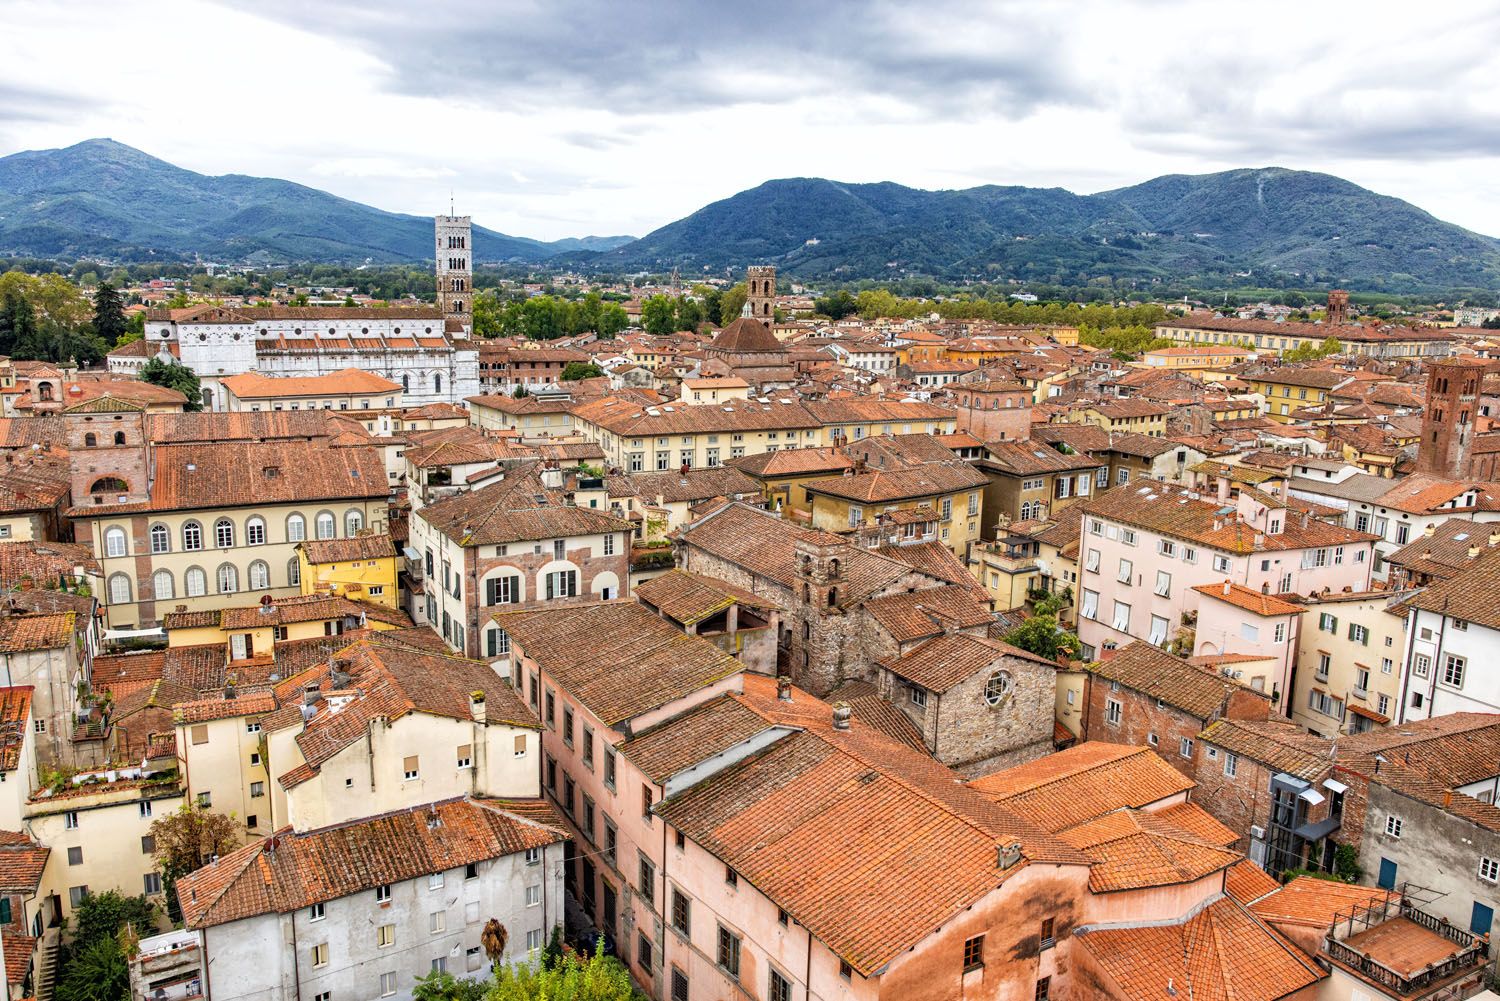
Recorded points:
(842, 713)
(1473, 551)
(783, 688)
(1226, 587)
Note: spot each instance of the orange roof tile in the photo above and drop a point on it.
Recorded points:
(1249, 599)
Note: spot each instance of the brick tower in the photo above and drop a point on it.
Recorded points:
(1338, 308)
(455, 270)
(1448, 422)
(760, 293)
(107, 449)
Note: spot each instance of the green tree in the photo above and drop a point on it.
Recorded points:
(174, 376)
(102, 915)
(689, 313)
(658, 315)
(109, 313)
(489, 314)
(17, 323)
(444, 986)
(731, 304)
(708, 298)
(612, 320)
(836, 306)
(570, 978)
(575, 370)
(1042, 635)
(96, 972)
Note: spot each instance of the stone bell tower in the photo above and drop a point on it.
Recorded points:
(455, 270)
(760, 293)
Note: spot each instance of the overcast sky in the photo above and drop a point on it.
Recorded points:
(551, 119)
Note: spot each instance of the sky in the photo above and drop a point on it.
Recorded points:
(575, 117)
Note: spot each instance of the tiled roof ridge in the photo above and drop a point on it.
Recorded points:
(920, 789)
(1071, 775)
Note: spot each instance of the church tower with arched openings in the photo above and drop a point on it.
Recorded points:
(760, 293)
(455, 271)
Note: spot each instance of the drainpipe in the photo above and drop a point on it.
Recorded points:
(1411, 642)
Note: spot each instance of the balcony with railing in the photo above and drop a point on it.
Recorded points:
(1404, 951)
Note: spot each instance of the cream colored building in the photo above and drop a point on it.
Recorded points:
(347, 389)
(99, 833)
(221, 755)
(640, 438)
(202, 526)
(1349, 662)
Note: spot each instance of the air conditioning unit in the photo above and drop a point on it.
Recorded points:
(1257, 833)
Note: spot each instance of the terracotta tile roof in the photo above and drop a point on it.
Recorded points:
(1313, 903)
(794, 462)
(765, 545)
(1247, 882)
(208, 427)
(308, 608)
(204, 710)
(1473, 595)
(1083, 782)
(290, 871)
(1198, 822)
(195, 477)
(1026, 458)
(509, 511)
(630, 419)
(113, 670)
(15, 723)
(648, 663)
(879, 712)
(677, 487)
(1146, 669)
(688, 597)
(948, 660)
(1404, 946)
(1423, 494)
(361, 547)
(915, 847)
(696, 735)
(1220, 953)
(44, 562)
(1249, 599)
(915, 615)
(19, 950)
(204, 618)
(887, 485)
(47, 631)
(346, 381)
(1133, 849)
(1170, 510)
(747, 334)
(1279, 745)
(1445, 552)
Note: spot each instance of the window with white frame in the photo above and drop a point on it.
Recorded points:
(1090, 607)
(1091, 561)
(1393, 825)
(1113, 711)
(1421, 664)
(1221, 563)
(114, 542)
(1453, 671)
(1127, 536)
(1159, 628)
(1121, 619)
(1163, 584)
(1127, 570)
(1489, 869)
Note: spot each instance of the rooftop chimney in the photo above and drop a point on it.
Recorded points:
(310, 694)
(1473, 551)
(476, 706)
(1430, 529)
(1008, 854)
(783, 688)
(1226, 588)
(842, 712)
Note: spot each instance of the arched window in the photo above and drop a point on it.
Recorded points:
(90, 440)
(44, 392)
(192, 536)
(224, 533)
(260, 575)
(161, 585)
(326, 525)
(353, 522)
(229, 578)
(293, 572)
(296, 528)
(406, 384)
(114, 542)
(195, 582)
(437, 382)
(119, 589)
(119, 437)
(161, 538)
(109, 485)
(255, 531)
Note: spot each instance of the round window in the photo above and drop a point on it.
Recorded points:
(997, 688)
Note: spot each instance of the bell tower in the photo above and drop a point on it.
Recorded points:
(760, 293)
(455, 270)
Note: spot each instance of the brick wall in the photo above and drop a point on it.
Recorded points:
(1140, 718)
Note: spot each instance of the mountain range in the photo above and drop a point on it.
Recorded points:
(1255, 226)
(1245, 226)
(101, 198)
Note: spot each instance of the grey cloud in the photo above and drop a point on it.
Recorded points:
(24, 103)
(644, 57)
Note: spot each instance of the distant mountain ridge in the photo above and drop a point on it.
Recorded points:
(1211, 227)
(1265, 225)
(103, 198)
